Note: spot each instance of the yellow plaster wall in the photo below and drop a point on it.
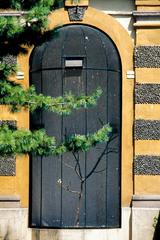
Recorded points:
(16, 185)
(148, 5)
(148, 8)
(147, 111)
(147, 185)
(148, 147)
(148, 75)
(147, 34)
(147, 2)
(19, 184)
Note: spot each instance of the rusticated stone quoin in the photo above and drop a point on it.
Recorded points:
(147, 130)
(10, 59)
(11, 123)
(147, 165)
(8, 163)
(147, 93)
(147, 57)
(7, 166)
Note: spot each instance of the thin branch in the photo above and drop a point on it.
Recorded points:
(101, 122)
(96, 164)
(99, 171)
(99, 158)
(77, 220)
(79, 173)
(66, 164)
(79, 166)
(67, 188)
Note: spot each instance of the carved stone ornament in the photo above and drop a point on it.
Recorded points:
(76, 13)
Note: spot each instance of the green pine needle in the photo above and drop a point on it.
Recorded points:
(28, 30)
(21, 141)
(17, 97)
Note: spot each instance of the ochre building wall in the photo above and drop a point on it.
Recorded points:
(147, 73)
(140, 173)
(19, 184)
(135, 153)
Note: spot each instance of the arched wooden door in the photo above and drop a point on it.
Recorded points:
(78, 59)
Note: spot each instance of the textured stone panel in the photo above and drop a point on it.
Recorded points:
(147, 57)
(147, 93)
(11, 123)
(8, 163)
(147, 130)
(147, 165)
(10, 59)
(7, 166)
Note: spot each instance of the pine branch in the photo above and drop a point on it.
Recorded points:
(22, 141)
(28, 29)
(78, 171)
(14, 95)
(79, 142)
(67, 187)
(6, 70)
(100, 157)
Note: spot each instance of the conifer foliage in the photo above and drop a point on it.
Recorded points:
(15, 33)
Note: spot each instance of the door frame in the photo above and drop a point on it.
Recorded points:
(124, 44)
(34, 164)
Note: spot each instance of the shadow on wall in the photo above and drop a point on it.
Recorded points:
(157, 230)
(7, 235)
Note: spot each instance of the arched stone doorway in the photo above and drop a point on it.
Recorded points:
(79, 59)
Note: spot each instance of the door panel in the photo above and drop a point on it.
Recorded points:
(54, 205)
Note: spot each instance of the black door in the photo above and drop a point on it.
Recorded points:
(78, 59)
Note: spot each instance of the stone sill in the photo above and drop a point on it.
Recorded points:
(9, 201)
(146, 13)
(146, 201)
